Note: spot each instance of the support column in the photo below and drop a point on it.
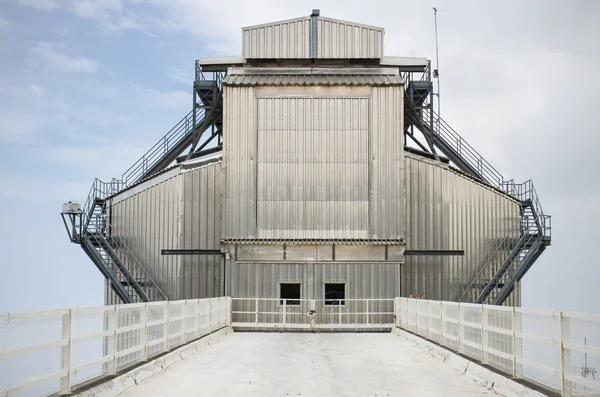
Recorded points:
(564, 325)
(65, 381)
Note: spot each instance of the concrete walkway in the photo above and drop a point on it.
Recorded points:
(305, 364)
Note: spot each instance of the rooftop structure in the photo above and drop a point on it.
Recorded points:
(312, 167)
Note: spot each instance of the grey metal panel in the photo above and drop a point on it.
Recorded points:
(341, 39)
(200, 275)
(239, 163)
(314, 79)
(277, 40)
(312, 167)
(386, 182)
(147, 222)
(182, 212)
(365, 280)
(449, 211)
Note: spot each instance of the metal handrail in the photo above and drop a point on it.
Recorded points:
(484, 268)
(162, 147)
(138, 266)
(467, 152)
(102, 190)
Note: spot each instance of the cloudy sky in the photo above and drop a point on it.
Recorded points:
(87, 86)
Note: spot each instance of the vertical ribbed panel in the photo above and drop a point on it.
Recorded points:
(313, 167)
(200, 275)
(387, 164)
(339, 39)
(239, 163)
(147, 222)
(363, 280)
(180, 212)
(279, 40)
(448, 211)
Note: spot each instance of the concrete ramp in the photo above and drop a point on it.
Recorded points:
(302, 364)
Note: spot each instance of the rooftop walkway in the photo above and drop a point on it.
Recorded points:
(307, 364)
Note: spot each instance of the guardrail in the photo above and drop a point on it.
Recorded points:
(268, 313)
(556, 349)
(59, 351)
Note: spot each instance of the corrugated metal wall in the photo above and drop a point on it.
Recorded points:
(449, 211)
(387, 163)
(148, 222)
(339, 39)
(296, 165)
(363, 280)
(278, 40)
(182, 212)
(239, 163)
(313, 167)
(200, 275)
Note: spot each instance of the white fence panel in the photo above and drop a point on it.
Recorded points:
(59, 351)
(556, 349)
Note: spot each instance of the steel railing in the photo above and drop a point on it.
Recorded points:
(59, 351)
(157, 152)
(268, 313)
(542, 346)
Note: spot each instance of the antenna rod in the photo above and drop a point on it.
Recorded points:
(437, 62)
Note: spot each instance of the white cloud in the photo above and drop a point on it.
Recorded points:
(5, 24)
(167, 100)
(37, 90)
(45, 5)
(181, 76)
(53, 59)
(17, 126)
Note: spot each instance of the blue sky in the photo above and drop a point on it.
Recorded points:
(87, 86)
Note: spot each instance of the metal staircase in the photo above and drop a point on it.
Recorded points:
(523, 245)
(92, 230)
(90, 226)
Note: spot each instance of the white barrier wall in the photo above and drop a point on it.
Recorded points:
(557, 349)
(60, 350)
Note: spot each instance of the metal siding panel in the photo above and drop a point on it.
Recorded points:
(167, 215)
(285, 39)
(339, 39)
(387, 165)
(446, 210)
(311, 166)
(239, 162)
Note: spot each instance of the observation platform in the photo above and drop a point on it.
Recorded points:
(310, 364)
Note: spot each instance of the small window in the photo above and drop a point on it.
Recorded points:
(290, 292)
(335, 293)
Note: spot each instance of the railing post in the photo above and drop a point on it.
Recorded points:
(564, 328)
(112, 344)
(168, 336)
(65, 381)
(461, 331)
(484, 337)
(442, 323)
(416, 317)
(368, 311)
(284, 311)
(184, 322)
(144, 331)
(340, 310)
(230, 301)
(517, 353)
(256, 311)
